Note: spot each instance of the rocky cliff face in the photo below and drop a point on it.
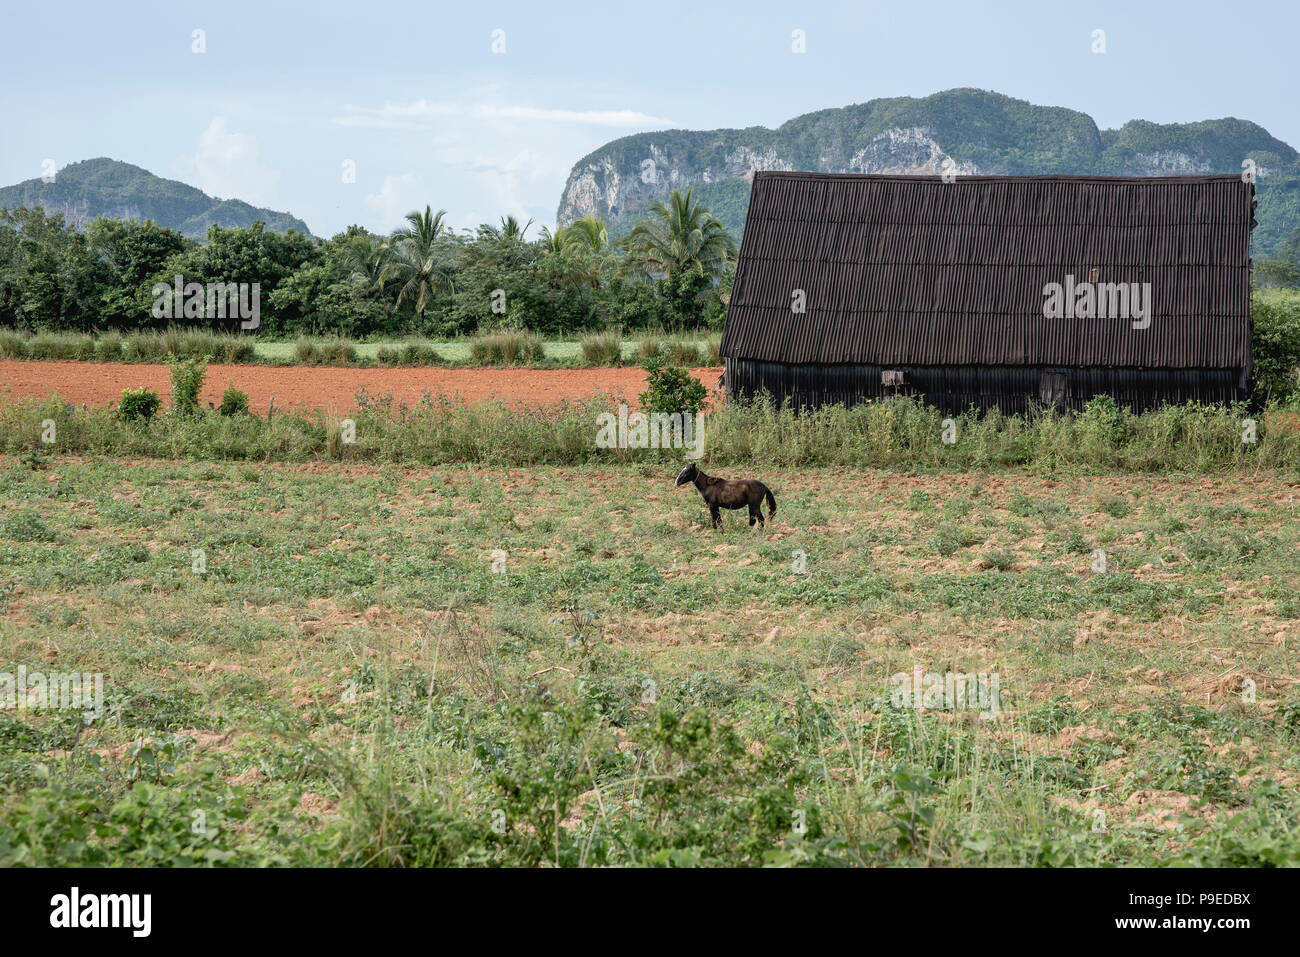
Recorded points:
(1165, 163)
(911, 152)
(604, 188)
(966, 132)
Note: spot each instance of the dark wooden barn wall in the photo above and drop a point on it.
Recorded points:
(956, 388)
(841, 277)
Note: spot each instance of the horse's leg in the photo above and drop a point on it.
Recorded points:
(755, 515)
(716, 515)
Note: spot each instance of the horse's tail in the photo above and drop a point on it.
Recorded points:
(771, 501)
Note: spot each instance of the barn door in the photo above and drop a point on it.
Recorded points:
(1053, 389)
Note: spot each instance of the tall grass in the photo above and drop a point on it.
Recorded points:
(648, 346)
(491, 348)
(108, 347)
(149, 346)
(60, 345)
(683, 352)
(680, 349)
(410, 353)
(603, 348)
(711, 347)
(333, 351)
(893, 434)
(506, 347)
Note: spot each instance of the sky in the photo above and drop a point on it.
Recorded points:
(483, 108)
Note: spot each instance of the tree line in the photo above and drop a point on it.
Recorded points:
(673, 270)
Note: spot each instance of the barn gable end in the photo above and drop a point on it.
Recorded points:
(858, 286)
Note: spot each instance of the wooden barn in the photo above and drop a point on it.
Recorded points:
(992, 290)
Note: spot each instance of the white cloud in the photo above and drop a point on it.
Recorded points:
(619, 118)
(394, 116)
(227, 165)
(418, 113)
(396, 197)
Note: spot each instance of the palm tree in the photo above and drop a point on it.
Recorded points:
(588, 232)
(553, 242)
(508, 230)
(683, 237)
(417, 258)
(586, 247)
(366, 256)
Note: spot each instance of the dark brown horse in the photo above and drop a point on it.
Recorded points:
(730, 493)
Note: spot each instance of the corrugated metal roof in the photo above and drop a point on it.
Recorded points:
(912, 269)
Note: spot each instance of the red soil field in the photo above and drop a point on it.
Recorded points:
(330, 388)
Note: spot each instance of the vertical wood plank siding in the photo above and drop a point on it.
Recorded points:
(946, 281)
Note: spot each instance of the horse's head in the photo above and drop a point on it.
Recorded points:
(687, 474)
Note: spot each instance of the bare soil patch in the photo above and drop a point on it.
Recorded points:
(328, 388)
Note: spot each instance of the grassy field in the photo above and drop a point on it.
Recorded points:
(899, 434)
(320, 664)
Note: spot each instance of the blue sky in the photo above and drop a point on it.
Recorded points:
(414, 95)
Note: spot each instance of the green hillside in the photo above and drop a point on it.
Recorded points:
(106, 187)
(974, 130)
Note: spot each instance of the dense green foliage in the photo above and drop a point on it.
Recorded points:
(139, 404)
(1275, 316)
(1284, 268)
(424, 280)
(233, 401)
(670, 388)
(187, 381)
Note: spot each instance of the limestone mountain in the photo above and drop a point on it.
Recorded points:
(105, 187)
(965, 131)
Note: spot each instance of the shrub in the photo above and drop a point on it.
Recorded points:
(947, 539)
(671, 389)
(233, 401)
(139, 404)
(1105, 420)
(999, 559)
(187, 381)
(603, 348)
